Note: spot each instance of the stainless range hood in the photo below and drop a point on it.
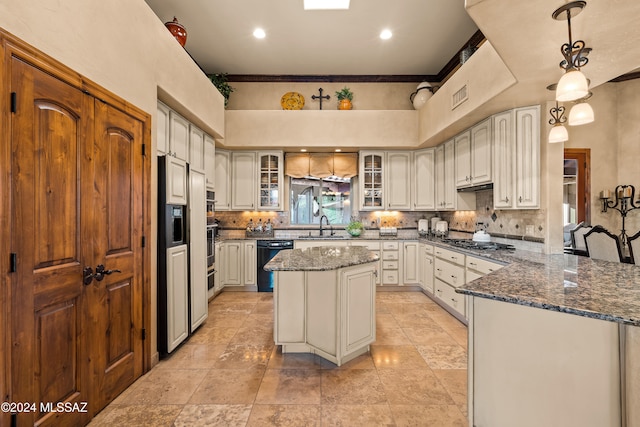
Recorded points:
(475, 188)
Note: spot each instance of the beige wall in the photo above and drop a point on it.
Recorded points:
(366, 96)
(122, 46)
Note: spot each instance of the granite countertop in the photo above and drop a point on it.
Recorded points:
(320, 258)
(564, 283)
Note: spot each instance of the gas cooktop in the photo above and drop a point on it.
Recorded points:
(470, 244)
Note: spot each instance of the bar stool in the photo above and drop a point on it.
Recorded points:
(601, 244)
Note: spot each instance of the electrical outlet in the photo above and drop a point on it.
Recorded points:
(529, 229)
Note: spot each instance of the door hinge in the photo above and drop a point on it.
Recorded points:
(144, 334)
(144, 150)
(14, 102)
(13, 262)
(144, 242)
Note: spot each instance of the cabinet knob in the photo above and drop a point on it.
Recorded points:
(506, 199)
(520, 199)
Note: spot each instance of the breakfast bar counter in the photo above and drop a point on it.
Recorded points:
(554, 340)
(324, 301)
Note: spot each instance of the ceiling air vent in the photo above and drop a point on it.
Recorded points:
(459, 97)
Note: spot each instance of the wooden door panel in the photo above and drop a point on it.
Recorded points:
(118, 215)
(56, 184)
(56, 342)
(120, 147)
(48, 139)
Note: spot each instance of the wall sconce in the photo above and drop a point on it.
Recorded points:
(581, 113)
(573, 84)
(558, 132)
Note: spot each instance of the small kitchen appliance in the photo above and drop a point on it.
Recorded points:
(423, 227)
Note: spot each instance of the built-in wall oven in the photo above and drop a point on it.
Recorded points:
(212, 232)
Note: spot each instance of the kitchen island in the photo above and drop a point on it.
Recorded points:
(554, 340)
(324, 301)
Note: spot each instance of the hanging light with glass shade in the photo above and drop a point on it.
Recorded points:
(581, 113)
(558, 132)
(573, 84)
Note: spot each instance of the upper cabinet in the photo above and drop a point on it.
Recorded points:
(385, 180)
(270, 183)
(424, 196)
(371, 180)
(179, 136)
(399, 178)
(196, 148)
(447, 196)
(243, 180)
(210, 161)
(222, 180)
(516, 139)
(473, 156)
(162, 128)
(249, 180)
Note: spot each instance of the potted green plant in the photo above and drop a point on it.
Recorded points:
(221, 82)
(345, 96)
(355, 227)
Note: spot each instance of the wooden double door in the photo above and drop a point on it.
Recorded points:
(76, 227)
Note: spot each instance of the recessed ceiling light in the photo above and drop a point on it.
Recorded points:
(386, 34)
(326, 4)
(259, 33)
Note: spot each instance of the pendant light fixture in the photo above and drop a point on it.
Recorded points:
(573, 84)
(581, 113)
(558, 132)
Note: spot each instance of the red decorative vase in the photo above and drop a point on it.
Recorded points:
(178, 30)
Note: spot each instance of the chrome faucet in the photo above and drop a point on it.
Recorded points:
(328, 223)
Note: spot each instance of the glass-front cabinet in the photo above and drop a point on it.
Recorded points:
(270, 180)
(371, 180)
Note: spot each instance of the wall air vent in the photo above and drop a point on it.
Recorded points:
(459, 97)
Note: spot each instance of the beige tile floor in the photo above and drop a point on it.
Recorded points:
(230, 373)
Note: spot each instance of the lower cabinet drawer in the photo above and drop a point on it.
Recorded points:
(389, 277)
(448, 295)
(453, 274)
(389, 265)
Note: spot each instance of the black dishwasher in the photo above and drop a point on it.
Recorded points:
(267, 249)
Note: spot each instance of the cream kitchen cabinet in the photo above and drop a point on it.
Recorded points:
(210, 161)
(399, 171)
(371, 180)
(373, 246)
(424, 189)
(270, 185)
(239, 263)
(222, 180)
(243, 180)
(449, 274)
(178, 136)
(162, 128)
(176, 180)
(197, 248)
(177, 296)
(516, 139)
(478, 267)
(196, 148)
(473, 156)
(447, 197)
(426, 266)
(410, 264)
(391, 262)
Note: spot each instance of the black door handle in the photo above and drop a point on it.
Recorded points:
(101, 272)
(87, 275)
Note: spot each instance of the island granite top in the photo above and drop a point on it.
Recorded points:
(320, 258)
(564, 283)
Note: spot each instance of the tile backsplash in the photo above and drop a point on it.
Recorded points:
(519, 224)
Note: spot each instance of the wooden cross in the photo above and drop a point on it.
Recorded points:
(320, 97)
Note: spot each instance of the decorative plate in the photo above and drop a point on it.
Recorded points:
(292, 101)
